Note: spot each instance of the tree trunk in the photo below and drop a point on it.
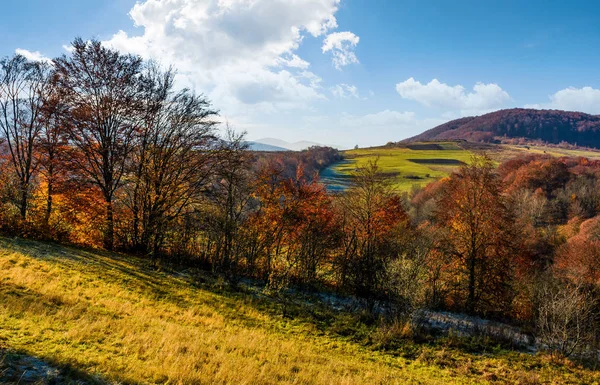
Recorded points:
(136, 223)
(109, 233)
(471, 299)
(24, 196)
(49, 201)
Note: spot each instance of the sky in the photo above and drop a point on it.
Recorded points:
(340, 72)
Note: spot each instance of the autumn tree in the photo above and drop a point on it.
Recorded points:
(23, 85)
(578, 260)
(293, 228)
(311, 230)
(52, 145)
(102, 92)
(175, 155)
(407, 274)
(371, 215)
(231, 195)
(479, 238)
(265, 223)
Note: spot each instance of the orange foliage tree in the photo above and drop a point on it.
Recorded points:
(479, 238)
(102, 93)
(371, 216)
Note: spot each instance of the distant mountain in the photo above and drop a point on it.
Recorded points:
(261, 147)
(296, 146)
(551, 126)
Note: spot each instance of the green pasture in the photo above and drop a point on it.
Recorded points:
(415, 164)
(418, 164)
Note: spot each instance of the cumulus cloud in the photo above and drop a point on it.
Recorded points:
(341, 45)
(344, 91)
(33, 55)
(294, 61)
(586, 99)
(241, 52)
(483, 98)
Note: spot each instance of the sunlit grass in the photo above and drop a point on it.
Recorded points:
(402, 164)
(110, 316)
(512, 151)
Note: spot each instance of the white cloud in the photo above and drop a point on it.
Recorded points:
(294, 62)
(314, 80)
(341, 46)
(344, 91)
(483, 98)
(240, 52)
(586, 99)
(33, 55)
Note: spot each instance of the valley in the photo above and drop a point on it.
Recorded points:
(411, 165)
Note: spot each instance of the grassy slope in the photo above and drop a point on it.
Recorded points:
(510, 151)
(397, 162)
(406, 173)
(109, 316)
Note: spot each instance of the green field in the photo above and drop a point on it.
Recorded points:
(419, 164)
(109, 318)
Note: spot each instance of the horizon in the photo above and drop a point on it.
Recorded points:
(342, 72)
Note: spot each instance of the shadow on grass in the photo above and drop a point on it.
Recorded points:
(291, 313)
(246, 306)
(18, 367)
(134, 275)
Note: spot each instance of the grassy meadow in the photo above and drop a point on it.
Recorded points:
(104, 318)
(419, 164)
(510, 151)
(407, 166)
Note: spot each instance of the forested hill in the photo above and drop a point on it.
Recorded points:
(552, 126)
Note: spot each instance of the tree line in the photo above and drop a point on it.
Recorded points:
(101, 149)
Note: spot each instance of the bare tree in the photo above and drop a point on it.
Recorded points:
(102, 91)
(231, 193)
(174, 157)
(52, 144)
(565, 317)
(23, 85)
(406, 276)
(372, 216)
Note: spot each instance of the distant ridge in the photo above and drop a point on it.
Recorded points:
(296, 146)
(551, 126)
(261, 147)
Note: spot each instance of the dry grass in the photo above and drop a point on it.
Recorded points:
(111, 318)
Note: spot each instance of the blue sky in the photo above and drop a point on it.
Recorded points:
(341, 72)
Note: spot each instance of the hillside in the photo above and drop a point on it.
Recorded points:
(418, 164)
(97, 317)
(551, 126)
(406, 165)
(295, 146)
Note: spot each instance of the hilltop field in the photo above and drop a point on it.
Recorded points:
(70, 315)
(418, 164)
